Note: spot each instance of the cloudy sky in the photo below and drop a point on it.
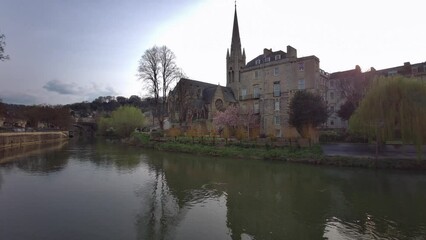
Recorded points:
(64, 51)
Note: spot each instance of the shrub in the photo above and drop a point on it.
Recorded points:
(122, 122)
(173, 132)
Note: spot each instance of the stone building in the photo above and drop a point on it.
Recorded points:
(264, 85)
(351, 85)
(417, 71)
(193, 100)
(339, 87)
(267, 82)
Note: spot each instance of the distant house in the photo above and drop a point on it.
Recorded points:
(341, 86)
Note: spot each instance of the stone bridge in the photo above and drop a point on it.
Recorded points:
(84, 128)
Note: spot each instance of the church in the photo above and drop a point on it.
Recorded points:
(265, 84)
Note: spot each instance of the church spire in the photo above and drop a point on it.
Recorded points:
(235, 59)
(236, 42)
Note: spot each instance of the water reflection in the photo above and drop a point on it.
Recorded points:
(42, 159)
(157, 195)
(163, 212)
(105, 155)
(18, 153)
(281, 201)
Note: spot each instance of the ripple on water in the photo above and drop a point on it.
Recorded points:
(367, 228)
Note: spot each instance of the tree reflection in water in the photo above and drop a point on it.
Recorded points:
(282, 201)
(176, 196)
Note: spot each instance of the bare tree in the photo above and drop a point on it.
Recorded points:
(2, 44)
(2, 109)
(179, 102)
(158, 70)
(183, 104)
(354, 86)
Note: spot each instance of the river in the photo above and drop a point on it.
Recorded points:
(99, 190)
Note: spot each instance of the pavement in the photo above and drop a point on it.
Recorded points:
(363, 150)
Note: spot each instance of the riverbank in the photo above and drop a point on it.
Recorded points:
(20, 139)
(308, 155)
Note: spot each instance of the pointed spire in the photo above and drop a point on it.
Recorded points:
(244, 53)
(236, 42)
(227, 53)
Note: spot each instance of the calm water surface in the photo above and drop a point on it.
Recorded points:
(107, 191)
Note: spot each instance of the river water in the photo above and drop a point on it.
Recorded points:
(108, 191)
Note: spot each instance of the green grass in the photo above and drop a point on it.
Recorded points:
(141, 138)
(311, 155)
(230, 150)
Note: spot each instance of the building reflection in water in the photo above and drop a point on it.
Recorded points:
(281, 201)
(175, 196)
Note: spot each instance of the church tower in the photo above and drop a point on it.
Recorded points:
(235, 60)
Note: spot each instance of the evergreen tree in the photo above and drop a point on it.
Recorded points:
(307, 111)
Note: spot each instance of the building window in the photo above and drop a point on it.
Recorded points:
(268, 59)
(256, 74)
(277, 89)
(278, 133)
(277, 57)
(276, 71)
(257, 62)
(243, 93)
(331, 95)
(301, 66)
(256, 91)
(332, 109)
(277, 120)
(392, 73)
(256, 107)
(332, 83)
(277, 105)
(301, 84)
(331, 122)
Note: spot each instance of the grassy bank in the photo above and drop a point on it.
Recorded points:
(309, 155)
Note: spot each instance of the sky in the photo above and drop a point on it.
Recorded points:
(65, 51)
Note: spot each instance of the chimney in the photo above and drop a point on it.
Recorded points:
(357, 68)
(291, 52)
(266, 51)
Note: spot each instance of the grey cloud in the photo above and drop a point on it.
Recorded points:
(97, 91)
(62, 88)
(19, 98)
(89, 92)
